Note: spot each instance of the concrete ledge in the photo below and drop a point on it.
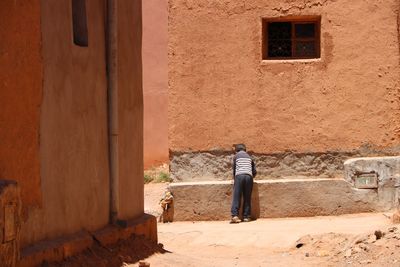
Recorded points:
(55, 250)
(386, 168)
(62, 248)
(144, 226)
(275, 198)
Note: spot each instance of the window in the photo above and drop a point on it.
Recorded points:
(79, 22)
(291, 39)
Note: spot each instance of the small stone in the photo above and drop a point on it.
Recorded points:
(392, 229)
(303, 241)
(322, 253)
(366, 262)
(359, 239)
(347, 253)
(390, 235)
(364, 247)
(378, 234)
(307, 254)
(371, 239)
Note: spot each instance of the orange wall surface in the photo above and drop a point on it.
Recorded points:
(21, 80)
(222, 93)
(74, 147)
(155, 82)
(54, 121)
(130, 109)
(73, 127)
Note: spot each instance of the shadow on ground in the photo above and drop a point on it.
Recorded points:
(128, 251)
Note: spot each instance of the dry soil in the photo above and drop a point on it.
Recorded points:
(325, 241)
(350, 240)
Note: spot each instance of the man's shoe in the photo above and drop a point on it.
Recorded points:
(247, 219)
(235, 219)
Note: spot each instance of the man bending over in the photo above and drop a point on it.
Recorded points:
(244, 170)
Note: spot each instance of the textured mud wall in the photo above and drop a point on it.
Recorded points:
(155, 82)
(73, 127)
(222, 93)
(53, 134)
(20, 96)
(212, 165)
(130, 108)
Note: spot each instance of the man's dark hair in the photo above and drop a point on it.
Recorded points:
(240, 147)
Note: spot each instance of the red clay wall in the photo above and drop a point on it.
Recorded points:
(155, 82)
(130, 108)
(74, 152)
(222, 93)
(53, 119)
(73, 127)
(20, 95)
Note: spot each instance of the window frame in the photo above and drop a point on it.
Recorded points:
(293, 21)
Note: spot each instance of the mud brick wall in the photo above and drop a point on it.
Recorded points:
(317, 112)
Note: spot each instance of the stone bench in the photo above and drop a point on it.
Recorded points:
(204, 201)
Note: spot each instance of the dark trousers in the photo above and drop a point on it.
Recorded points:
(243, 185)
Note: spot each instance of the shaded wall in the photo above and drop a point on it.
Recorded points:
(20, 96)
(73, 126)
(74, 149)
(221, 92)
(130, 108)
(155, 82)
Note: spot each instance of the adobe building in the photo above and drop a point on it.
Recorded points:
(155, 82)
(304, 84)
(71, 127)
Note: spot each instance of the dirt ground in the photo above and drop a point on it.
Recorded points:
(348, 240)
(127, 251)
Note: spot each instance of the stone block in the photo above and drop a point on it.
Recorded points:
(62, 248)
(50, 251)
(206, 201)
(76, 244)
(107, 236)
(386, 168)
(55, 250)
(145, 226)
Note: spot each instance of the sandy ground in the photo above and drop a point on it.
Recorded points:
(267, 242)
(349, 240)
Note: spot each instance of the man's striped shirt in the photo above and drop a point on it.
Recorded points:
(243, 164)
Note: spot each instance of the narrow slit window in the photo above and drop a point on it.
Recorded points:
(299, 39)
(79, 22)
